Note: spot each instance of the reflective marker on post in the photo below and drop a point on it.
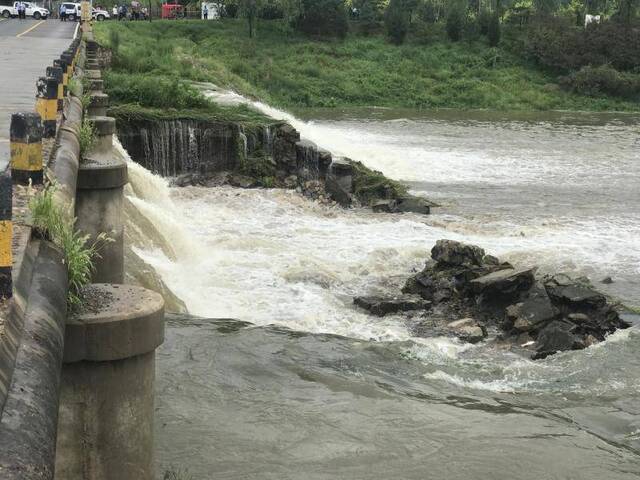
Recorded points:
(56, 72)
(26, 147)
(6, 234)
(47, 104)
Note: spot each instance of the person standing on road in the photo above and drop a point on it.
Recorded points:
(63, 13)
(114, 11)
(205, 12)
(22, 8)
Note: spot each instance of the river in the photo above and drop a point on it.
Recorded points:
(312, 388)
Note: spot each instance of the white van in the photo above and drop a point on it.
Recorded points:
(32, 10)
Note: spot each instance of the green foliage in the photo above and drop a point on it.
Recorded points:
(493, 31)
(455, 21)
(290, 70)
(153, 91)
(75, 87)
(396, 21)
(370, 185)
(86, 136)
(50, 222)
(114, 40)
(323, 18)
(604, 79)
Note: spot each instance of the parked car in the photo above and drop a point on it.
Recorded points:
(99, 14)
(32, 10)
(72, 11)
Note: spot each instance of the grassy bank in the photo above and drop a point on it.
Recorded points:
(290, 70)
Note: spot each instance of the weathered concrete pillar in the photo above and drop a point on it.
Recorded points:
(96, 85)
(26, 147)
(339, 181)
(65, 76)
(98, 104)
(6, 234)
(56, 72)
(47, 104)
(105, 420)
(99, 201)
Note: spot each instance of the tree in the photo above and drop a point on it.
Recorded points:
(249, 9)
(627, 10)
(368, 14)
(493, 30)
(396, 21)
(323, 17)
(455, 20)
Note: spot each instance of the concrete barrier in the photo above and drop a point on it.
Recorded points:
(6, 235)
(105, 429)
(26, 147)
(99, 201)
(47, 105)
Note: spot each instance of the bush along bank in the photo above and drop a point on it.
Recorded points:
(536, 316)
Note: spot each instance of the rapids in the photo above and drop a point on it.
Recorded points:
(314, 388)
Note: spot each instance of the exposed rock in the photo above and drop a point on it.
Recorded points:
(384, 306)
(384, 206)
(556, 337)
(455, 253)
(242, 181)
(468, 330)
(557, 313)
(532, 313)
(503, 285)
(411, 204)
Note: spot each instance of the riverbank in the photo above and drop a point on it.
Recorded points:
(291, 71)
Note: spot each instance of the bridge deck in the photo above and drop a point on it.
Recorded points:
(27, 47)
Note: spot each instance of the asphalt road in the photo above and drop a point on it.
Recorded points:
(27, 48)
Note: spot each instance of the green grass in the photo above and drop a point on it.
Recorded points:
(291, 71)
(51, 223)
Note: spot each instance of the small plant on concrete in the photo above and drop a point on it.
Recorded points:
(51, 223)
(86, 136)
(75, 87)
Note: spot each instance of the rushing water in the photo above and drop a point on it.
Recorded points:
(317, 389)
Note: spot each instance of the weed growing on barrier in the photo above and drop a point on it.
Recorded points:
(51, 223)
(75, 87)
(86, 136)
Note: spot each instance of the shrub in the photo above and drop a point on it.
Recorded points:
(153, 91)
(368, 16)
(114, 40)
(396, 22)
(455, 21)
(493, 31)
(86, 136)
(603, 79)
(323, 18)
(557, 44)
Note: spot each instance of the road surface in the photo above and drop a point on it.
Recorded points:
(27, 48)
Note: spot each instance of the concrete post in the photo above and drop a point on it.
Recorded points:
(47, 104)
(96, 85)
(68, 60)
(99, 201)
(26, 147)
(339, 181)
(6, 234)
(98, 104)
(56, 72)
(105, 420)
(65, 77)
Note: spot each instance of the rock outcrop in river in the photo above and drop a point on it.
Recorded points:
(463, 291)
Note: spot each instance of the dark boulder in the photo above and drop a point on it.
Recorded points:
(468, 330)
(452, 253)
(503, 286)
(531, 314)
(556, 337)
(382, 306)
